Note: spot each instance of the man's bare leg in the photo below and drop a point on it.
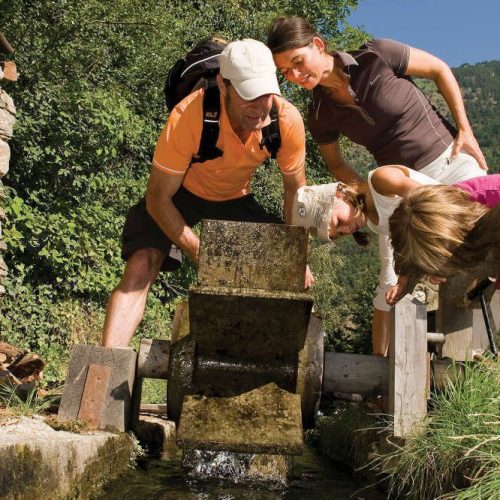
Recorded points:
(380, 332)
(128, 300)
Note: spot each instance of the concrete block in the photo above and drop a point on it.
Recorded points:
(116, 410)
(266, 420)
(252, 256)
(40, 462)
(158, 435)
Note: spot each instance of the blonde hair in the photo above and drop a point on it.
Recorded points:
(440, 231)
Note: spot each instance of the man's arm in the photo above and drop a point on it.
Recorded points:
(161, 189)
(338, 167)
(426, 65)
(291, 183)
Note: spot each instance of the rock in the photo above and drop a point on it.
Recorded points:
(7, 121)
(4, 158)
(7, 103)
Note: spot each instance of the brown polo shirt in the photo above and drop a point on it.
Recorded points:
(392, 118)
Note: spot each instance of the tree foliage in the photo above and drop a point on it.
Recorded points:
(90, 108)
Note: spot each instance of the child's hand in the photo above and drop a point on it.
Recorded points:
(398, 291)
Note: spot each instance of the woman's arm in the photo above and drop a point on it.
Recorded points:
(336, 164)
(426, 65)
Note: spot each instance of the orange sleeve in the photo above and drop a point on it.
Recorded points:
(292, 153)
(180, 137)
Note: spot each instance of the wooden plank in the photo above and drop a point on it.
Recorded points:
(154, 409)
(152, 360)
(355, 374)
(457, 317)
(94, 395)
(479, 335)
(408, 366)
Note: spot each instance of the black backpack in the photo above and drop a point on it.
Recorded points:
(198, 69)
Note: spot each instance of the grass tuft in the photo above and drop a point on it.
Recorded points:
(457, 454)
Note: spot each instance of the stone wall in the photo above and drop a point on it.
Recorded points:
(7, 119)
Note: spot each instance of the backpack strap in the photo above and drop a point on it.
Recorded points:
(210, 131)
(271, 136)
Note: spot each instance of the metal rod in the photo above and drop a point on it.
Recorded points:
(487, 322)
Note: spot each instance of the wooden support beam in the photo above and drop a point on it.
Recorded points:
(153, 357)
(408, 366)
(369, 375)
(355, 374)
(459, 319)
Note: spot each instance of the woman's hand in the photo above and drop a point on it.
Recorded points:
(398, 291)
(309, 279)
(465, 141)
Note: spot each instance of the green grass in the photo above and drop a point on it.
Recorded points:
(27, 404)
(457, 455)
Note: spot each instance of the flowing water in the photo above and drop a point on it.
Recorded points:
(313, 477)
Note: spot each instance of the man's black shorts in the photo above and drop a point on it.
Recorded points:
(141, 231)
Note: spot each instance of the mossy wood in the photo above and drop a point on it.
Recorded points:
(247, 255)
(249, 324)
(265, 420)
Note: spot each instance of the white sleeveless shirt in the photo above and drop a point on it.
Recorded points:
(386, 205)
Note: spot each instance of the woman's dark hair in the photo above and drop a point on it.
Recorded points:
(288, 33)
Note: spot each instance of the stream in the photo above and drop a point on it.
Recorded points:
(314, 477)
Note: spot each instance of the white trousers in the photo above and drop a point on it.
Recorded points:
(444, 170)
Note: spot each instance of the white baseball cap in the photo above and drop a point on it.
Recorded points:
(312, 207)
(248, 64)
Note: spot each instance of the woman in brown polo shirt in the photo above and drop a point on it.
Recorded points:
(368, 96)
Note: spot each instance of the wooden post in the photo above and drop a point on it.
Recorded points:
(408, 366)
(460, 320)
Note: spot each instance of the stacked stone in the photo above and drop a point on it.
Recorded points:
(7, 119)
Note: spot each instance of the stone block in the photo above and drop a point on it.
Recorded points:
(4, 158)
(249, 324)
(252, 256)
(117, 402)
(40, 462)
(6, 102)
(7, 121)
(266, 420)
(3, 246)
(158, 435)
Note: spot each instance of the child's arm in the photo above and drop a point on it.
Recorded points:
(393, 180)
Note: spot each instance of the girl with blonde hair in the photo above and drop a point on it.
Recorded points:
(440, 231)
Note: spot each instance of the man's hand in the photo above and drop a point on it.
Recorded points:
(309, 279)
(397, 292)
(465, 141)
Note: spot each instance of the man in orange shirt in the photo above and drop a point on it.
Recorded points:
(181, 193)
